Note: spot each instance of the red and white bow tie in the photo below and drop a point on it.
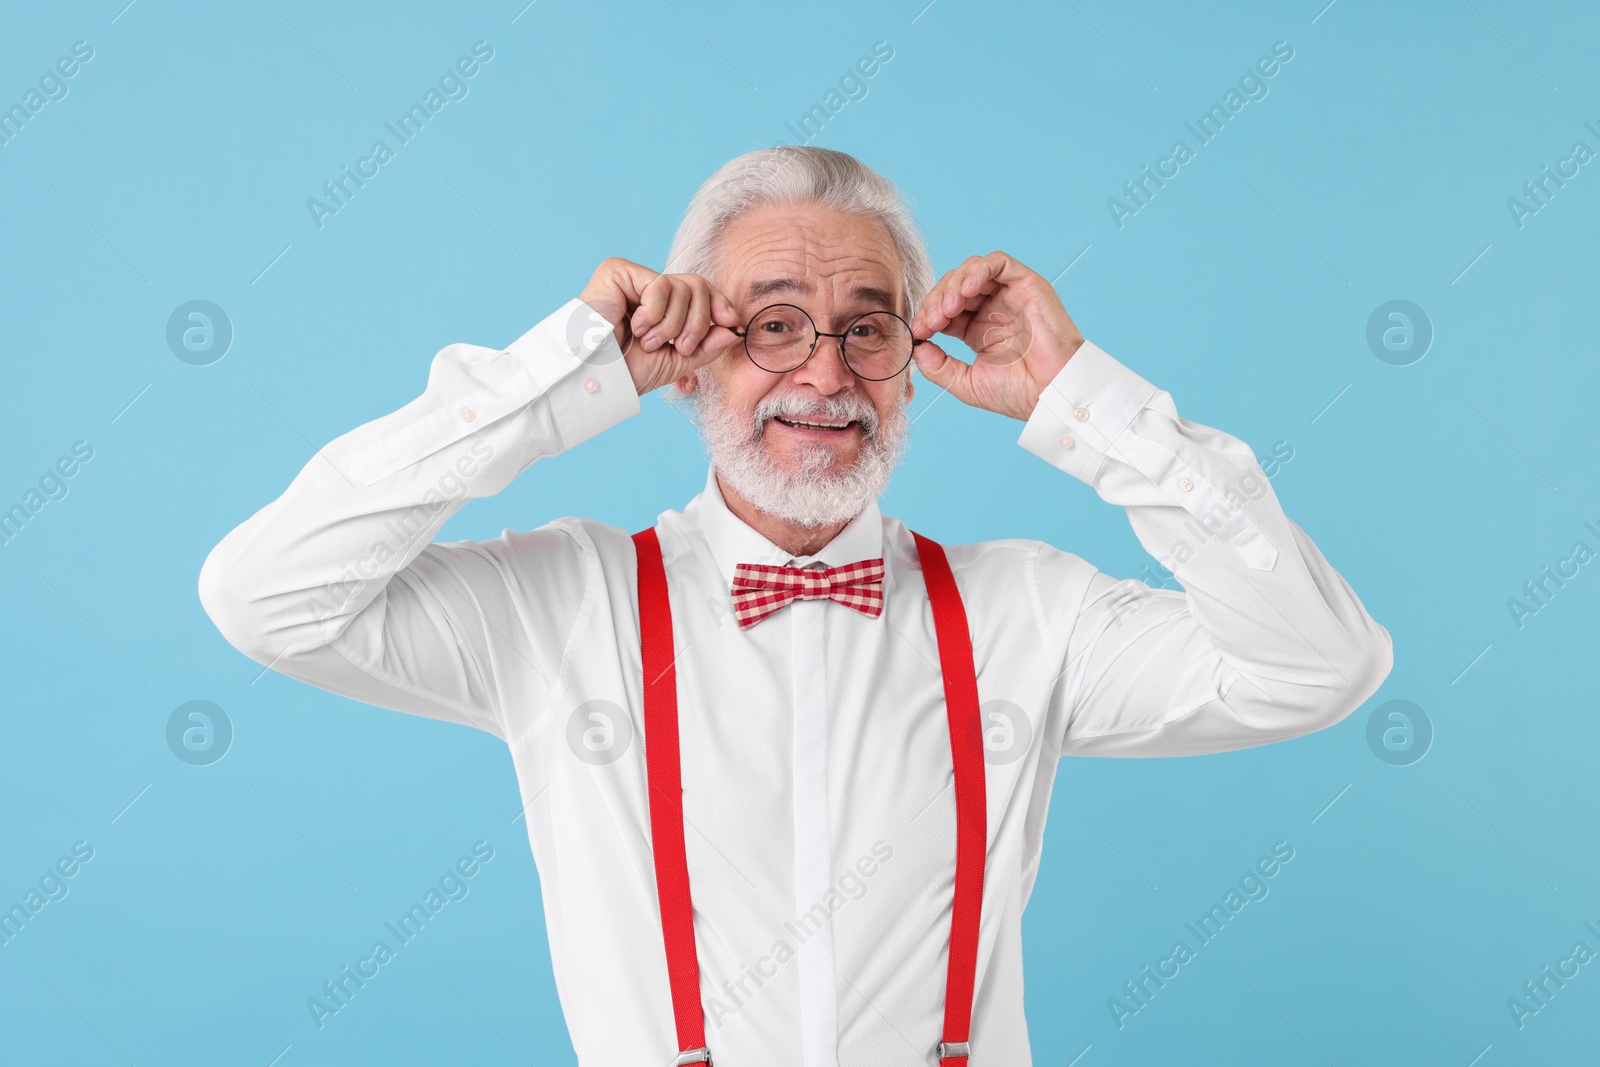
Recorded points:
(759, 589)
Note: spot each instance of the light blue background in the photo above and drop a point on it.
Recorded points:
(1378, 168)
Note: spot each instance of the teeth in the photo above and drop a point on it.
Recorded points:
(813, 425)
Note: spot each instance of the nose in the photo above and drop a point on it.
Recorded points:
(826, 370)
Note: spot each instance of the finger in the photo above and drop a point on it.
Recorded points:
(723, 313)
(631, 280)
(950, 307)
(637, 275)
(993, 272)
(945, 300)
(666, 331)
(980, 278)
(954, 297)
(721, 340)
(929, 319)
(717, 344)
(946, 312)
(614, 291)
(944, 370)
(957, 326)
(677, 310)
(698, 320)
(653, 301)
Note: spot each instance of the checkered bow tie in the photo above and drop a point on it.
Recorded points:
(759, 589)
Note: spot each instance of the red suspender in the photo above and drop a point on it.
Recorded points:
(664, 770)
(666, 796)
(966, 753)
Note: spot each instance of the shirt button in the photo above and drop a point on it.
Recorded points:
(467, 414)
(1067, 441)
(1081, 414)
(591, 385)
(1185, 484)
(573, 350)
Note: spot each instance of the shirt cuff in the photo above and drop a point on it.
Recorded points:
(1086, 407)
(574, 359)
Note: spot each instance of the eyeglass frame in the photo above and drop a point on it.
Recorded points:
(818, 335)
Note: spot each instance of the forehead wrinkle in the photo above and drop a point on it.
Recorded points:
(859, 300)
(853, 273)
(794, 258)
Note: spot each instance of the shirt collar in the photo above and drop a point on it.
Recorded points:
(733, 542)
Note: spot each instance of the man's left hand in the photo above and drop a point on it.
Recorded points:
(1012, 320)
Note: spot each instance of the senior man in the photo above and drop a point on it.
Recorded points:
(786, 763)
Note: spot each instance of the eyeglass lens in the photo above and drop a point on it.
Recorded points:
(876, 346)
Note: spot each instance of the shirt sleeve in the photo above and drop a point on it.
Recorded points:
(338, 583)
(1264, 642)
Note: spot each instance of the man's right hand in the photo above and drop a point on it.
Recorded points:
(668, 325)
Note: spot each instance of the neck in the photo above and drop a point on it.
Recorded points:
(793, 538)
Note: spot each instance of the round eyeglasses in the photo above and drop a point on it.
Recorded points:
(875, 346)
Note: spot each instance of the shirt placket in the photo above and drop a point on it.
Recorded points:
(813, 846)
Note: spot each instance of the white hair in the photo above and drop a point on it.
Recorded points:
(798, 174)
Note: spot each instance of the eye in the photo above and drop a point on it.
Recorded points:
(779, 324)
(866, 330)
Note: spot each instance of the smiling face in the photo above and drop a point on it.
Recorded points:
(816, 444)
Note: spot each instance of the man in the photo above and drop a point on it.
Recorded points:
(777, 741)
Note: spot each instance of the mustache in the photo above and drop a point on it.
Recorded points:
(851, 407)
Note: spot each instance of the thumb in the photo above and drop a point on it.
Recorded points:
(718, 343)
(721, 338)
(943, 370)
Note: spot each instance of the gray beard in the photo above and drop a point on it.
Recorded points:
(813, 495)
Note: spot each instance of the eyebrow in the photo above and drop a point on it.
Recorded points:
(787, 284)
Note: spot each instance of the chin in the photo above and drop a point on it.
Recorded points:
(802, 479)
(811, 461)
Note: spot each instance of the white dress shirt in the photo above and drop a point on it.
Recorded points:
(819, 814)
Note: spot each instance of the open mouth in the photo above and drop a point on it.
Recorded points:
(816, 424)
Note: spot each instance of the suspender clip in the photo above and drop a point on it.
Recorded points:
(948, 1049)
(695, 1055)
